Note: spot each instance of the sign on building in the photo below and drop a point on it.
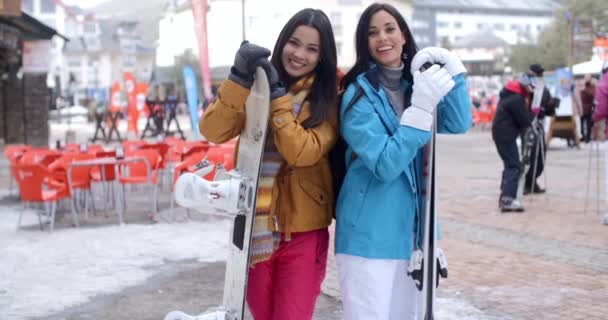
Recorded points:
(35, 56)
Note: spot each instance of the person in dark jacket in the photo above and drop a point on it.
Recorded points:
(587, 102)
(512, 117)
(546, 108)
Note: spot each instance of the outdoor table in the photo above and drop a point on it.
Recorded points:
(104, 162)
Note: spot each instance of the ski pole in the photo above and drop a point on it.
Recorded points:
(588, 176)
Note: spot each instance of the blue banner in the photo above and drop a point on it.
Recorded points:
(192, 97)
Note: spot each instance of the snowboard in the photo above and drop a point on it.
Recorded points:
(240, 193)
(532, 140)
(426, 275)
(429, 247)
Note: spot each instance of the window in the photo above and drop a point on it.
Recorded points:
(338, 48)
(27, 6)
(420, 24)
(71, 28)
(92, 75)
(128, 62)
(514, 27)
(499, 26)
(539, 28)
(92, 43)
(442, 24)
(457, 24)
(127, 46)
(47, 6)
(480, 26)
(74, 62)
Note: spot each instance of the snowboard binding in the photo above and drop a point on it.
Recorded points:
(232, 194)
(416, 267)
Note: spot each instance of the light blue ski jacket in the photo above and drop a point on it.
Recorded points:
(381, 193)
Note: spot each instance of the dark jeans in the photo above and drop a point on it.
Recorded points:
(586, 125)
(509, 154)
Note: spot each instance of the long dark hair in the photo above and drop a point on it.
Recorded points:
(323, 94)
(362, 43)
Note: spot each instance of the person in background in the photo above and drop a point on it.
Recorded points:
(547, 108)
(512, 118)
(587, 95)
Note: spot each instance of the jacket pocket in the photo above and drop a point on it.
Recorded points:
(315, 192)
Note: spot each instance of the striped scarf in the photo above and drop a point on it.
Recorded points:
(264, 241)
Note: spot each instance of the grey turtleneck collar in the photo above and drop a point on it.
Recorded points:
(390, 79)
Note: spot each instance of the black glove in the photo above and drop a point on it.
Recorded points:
(247, 58)
(277, 89)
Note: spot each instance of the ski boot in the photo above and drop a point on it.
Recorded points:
(508, 204)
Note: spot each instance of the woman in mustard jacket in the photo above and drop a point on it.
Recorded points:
(303, 128)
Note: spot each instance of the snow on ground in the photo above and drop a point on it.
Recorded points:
(42, 273)
(457, 309)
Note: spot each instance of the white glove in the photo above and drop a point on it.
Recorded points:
(429, 87)
(438, 55)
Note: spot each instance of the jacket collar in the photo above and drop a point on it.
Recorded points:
(372, 77)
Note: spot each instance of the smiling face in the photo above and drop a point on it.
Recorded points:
(385, 39)
(300, 54)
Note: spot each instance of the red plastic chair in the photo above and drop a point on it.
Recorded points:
(41, 156)
(129, 145)
(162, 149)
(13, 153)
(32, 188)
(108, 170)
(139, 173)
(79, 181)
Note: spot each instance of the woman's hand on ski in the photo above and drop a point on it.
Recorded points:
(429, 87)
(247, 59)
(438, 55)
(277, 89)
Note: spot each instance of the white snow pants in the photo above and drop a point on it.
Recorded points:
(376, 289)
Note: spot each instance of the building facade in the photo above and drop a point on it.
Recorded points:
(262, 26)
(24, 95)
(447, 22)
(99, 49)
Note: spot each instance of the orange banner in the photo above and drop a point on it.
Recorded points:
(115, 103)
(141, 91)
(199, 10)
(132, 112)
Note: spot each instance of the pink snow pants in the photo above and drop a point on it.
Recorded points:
(286, 286)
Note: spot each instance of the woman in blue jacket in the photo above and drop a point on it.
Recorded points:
(386, 116)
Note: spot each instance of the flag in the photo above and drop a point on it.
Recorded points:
(141, 91)
(199, 10)
(192, 97)
(132, 112)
